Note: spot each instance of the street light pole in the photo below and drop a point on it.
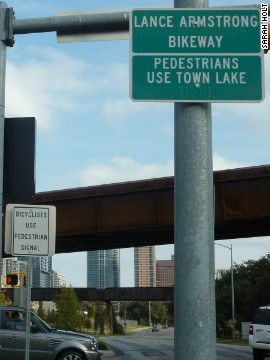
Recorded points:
(232, 286)
(125, 318)
(150, 322)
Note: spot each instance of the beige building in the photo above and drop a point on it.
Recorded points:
(220, 272)
(58, 280)
(145, 266)
(165, 272)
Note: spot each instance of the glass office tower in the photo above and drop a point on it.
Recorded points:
(103, 268)
(41, 270)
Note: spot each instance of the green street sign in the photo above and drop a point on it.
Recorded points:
(198, 78)
(200, 55)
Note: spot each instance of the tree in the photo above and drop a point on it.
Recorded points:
(4, 299)
(51, 318)
(139, 310)
(41, 312)
(251, 281)
(159, 312)
(170, 310)
(69, 316)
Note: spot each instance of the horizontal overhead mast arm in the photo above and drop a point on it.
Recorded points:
(96, 22)
(69, 23)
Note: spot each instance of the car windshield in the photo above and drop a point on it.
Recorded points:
(37, 320)
(262, 317)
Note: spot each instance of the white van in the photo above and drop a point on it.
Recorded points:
(259, 333)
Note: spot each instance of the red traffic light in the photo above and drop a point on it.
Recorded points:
(12, 279)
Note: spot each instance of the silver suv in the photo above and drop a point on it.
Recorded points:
(46, 343)
(259, 333)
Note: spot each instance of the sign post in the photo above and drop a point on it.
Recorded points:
(194, 287)
(30, 230)
(196, 55)
(6, 38)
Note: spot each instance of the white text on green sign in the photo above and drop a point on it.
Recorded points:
(196, 55)
(196, 31)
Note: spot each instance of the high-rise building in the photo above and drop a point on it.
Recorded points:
(103, 268)
(145, 266)
(58, 280)
(12, 265)
(41, 270)
(165, 272)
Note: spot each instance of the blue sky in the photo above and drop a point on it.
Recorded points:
(90, 132)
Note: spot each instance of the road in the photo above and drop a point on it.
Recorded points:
(160, 345)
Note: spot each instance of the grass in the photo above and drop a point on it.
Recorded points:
(235, 342)
(134, 327)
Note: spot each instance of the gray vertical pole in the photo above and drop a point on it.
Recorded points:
(28, 307)
(2, 126)
(21, 289)
(125, 318)
(149, 308)
(195, 329)
(233, 320)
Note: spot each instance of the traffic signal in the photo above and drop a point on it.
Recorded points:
(12, 279)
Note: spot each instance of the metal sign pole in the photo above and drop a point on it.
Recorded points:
(21, 288)
(28, 308)
(194, 288)
(2, 121)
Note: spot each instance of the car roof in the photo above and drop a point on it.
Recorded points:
(11, 308)
(264, 307)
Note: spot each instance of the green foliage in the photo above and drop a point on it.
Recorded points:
(170, 311)
(251, 281)
(4, 299)
(120, 330)
(87, 323)
(51, 318)
(91, 310)
(159, 312)
(41, 312)
(69, 316)
(117, 328)
(139, 310)
(100, 318)
(102, 346)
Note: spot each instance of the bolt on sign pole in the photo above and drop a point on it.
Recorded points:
(194, 288)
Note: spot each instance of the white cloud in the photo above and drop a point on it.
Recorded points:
(114, 78)
(115, 111)
(44, 88)
(254, 117)
(220, 163)
(121, 169)
(45, 82)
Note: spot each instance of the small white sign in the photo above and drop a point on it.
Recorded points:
(30, 230)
